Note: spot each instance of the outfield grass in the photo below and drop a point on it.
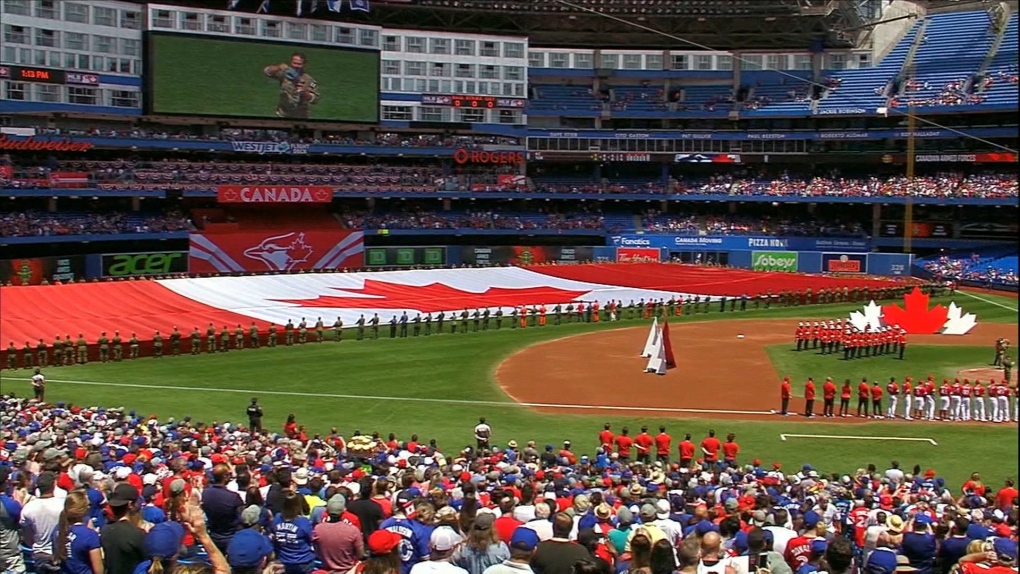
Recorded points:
(309, 380)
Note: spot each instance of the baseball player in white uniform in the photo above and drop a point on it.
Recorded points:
(893, 390)
(954, 398)
(979, 402)
(908, 400)
(1004, 393)
(929, 401)
(965, 392)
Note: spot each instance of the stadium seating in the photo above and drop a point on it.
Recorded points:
(774, 93)
(1002, 70)
(31, 223)
(985, 265)
(573, 99)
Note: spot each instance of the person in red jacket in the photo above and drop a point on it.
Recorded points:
(644, 442)
(663, 442)
(606, 437)
(829, 398)
(784, 397)
(809, 398)
(845, 392)
(876, 400)
(623, 445)
(710, 448)
(863, 394)
(686, 448)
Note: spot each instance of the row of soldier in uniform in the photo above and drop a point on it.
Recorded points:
(832, 336)
(69, 352)
(955, 401)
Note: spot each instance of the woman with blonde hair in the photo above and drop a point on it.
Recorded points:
(482, 547)
(77, 547)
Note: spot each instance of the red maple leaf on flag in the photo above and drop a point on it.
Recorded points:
(916, 318)
(434, 297)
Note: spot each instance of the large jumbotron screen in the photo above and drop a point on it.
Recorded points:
(197, 75)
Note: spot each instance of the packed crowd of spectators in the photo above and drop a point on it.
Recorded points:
(40, 224)
(474, 220)
(91, 490)
(974, 269)
(731, 224)
(387, 139)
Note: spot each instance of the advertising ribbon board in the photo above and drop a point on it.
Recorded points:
(784, 261)
(140, 264)
(34, 270)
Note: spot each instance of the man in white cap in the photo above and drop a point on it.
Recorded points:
(442, 543)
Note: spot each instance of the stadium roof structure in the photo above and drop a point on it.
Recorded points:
(718, 24)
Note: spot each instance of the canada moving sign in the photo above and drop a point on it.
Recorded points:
(273, 194)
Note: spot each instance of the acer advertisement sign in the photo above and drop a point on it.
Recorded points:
(141, 264)
(275, 251)
(638, 255)
(844, 262)
(274, 194)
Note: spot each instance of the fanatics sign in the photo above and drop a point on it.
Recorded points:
(273, 194)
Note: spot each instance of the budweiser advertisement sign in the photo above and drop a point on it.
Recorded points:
(274, 194)
(463, 156)
(638, 255)
(32, 143)
(275, 251)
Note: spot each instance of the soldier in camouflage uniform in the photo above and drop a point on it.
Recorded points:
(298, 89)
(338, 330)
(27, 351)
(12, 357)
(210, 338)
(58, 351)
(253, 335)
(196, 341)
(271, 340)
(104, 347)
(118, 348)
(175, 342)
(320, 330)
(157, 345)
(288, 333)
(83, 349)
(239, 337)
(41, 355)
(133, 344)
(68, 350)
(224, 339)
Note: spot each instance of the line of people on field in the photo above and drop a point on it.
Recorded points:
(832, 335)
(922, 400)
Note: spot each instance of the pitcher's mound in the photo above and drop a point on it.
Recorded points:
(986, 374)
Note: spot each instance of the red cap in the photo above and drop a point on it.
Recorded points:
(129, 458)
(357, 474)
(80, 453)
(756, 462)
(929, 473)
(776, 465)
(218, 459)
(885, 502)
(382, 542)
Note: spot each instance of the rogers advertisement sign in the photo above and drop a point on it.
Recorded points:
(637, 255)
(273, 194)
(463, 156)
(275, 251)
(844, 262)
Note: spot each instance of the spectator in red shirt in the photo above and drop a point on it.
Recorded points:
(1006, 495)
(663, 443)
(974, 485)
(798, 549)
(686, 448)
(506, 523)
(710, 448)
(829, 396)
(844, 398)
(784, 397)
(623, 445)
(809, 398)
(730, 449)
(606, 437)
(644, 443)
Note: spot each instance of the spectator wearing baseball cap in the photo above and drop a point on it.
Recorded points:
(10, 533)
(123, 542)
(162, 545)
(383, 557)
(247, 552)
(523, 543)
(442, 543)
(798, 550)
(919, 544)
(338, 543)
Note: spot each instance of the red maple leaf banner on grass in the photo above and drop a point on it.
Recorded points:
(916, 318)
(434, 297)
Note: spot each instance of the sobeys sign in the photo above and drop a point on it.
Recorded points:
(137, 264)
(774, 261)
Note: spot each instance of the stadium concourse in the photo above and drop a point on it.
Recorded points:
(34, 313)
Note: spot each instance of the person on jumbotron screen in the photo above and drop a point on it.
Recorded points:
(298, 89)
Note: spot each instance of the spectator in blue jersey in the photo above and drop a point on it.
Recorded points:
(954, 546)
(77, 548)
(414, 546)
(292, 536)
(248, 551)
(919, 544)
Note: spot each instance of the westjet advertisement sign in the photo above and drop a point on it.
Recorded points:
(739, 243)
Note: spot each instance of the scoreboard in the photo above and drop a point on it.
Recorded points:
(38, 75)
(472, 101)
